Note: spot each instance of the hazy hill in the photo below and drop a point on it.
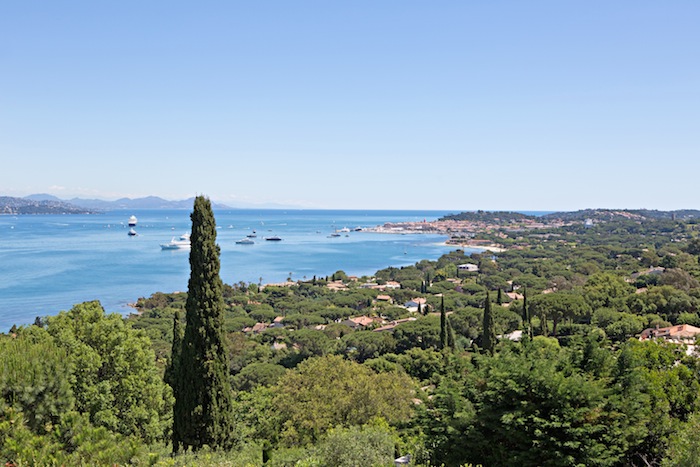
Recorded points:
(632, 214)
(574, 216)
(149, 202)
(10, 205)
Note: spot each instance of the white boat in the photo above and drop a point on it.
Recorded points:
(132, 233)
(181, 243)
(133, 221)
(344, 230)
(245, 241)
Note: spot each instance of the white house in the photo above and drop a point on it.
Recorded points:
(469, 267)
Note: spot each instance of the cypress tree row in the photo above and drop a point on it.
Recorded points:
(489, 337)
(203, 405)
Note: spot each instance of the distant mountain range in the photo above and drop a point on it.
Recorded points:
(149, 202)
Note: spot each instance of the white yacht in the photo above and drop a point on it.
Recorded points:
(181, 243)
(133, 221)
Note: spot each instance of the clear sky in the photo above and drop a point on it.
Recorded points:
(398, 104)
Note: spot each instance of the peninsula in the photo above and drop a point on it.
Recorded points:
(15, 206)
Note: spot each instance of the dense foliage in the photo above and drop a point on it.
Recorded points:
(415, 360)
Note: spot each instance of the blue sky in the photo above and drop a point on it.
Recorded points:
(398, 104)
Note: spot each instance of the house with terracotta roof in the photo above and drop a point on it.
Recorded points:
(384, 298)
(681, 334)
(514, 295)
(361, 322)
(336, 285)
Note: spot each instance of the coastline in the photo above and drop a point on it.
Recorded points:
(491, 247)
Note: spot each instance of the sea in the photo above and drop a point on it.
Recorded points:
(48, 263)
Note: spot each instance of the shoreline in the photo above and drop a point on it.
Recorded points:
(492, 248)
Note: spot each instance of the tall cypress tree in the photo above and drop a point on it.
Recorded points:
(488, 340)
(203, 406)
(499, 297)
(526, 314)
(450, 336)
(172, 371)
(443, 324)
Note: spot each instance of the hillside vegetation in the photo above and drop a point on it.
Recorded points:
(534, 359)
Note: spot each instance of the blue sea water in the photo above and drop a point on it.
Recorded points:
(48, 263)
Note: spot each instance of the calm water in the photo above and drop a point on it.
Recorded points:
(49, 263)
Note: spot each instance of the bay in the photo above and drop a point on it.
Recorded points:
(48, 263)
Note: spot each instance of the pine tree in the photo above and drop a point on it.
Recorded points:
(203, 406)
(488, 340)
(443, 324)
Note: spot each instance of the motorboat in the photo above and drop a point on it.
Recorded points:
(344, 230)
(273, 239)
(180, 243)
(133, 221)
(132, 233)
(245, 241)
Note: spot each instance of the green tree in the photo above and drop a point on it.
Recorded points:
(355, 446)
(258, 374)
(173, 368)
(684, 444)
(606, 289)
(531, 409)
(326, 392)
(450, 335)
(526, 314)
(203, 408)
(443, 324)
(363, 345)
(558, 306)
(35, 377)
(488, 339)
(423, 333)
(116, 381)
